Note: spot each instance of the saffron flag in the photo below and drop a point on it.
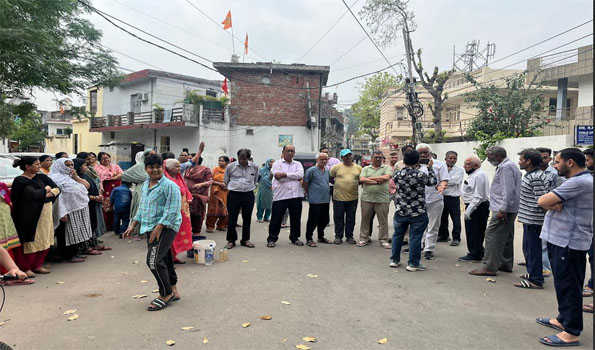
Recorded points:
(246, 45)
(227, 21)
(224, 87)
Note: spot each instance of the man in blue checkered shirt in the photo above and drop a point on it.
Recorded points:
(159, 216)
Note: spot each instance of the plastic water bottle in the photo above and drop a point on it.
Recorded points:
(209, 255)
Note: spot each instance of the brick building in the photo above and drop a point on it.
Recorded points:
(272, 105)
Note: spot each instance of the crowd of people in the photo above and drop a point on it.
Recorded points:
(60, 207)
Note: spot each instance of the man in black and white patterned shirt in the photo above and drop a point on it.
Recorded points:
(410, 203)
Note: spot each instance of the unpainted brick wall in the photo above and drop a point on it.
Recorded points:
(274, 104)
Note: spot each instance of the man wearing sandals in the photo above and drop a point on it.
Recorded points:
(375, 200)
(568, 229)
(159, 215)
(316, 184)
(504, 205)
(533, 185)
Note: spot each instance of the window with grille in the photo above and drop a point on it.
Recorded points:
(164, 146)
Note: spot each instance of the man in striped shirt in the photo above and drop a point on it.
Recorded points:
(533, 185)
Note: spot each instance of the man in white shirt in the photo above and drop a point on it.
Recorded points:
(434, 199)
(476, 191)
(452, 201)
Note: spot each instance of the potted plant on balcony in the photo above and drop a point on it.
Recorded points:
(158, 112)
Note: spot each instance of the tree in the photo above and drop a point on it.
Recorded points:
(434, 85)
(47, 44)
(514, 111)
(386, 18)
(367, 109)
(28, 129)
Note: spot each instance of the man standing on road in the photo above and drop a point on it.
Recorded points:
(375, 199)
(568, 229)
(345, 195)
(316, 184)
(240, 179)
(452, 201)
(411, 209)
(287, 194)
(504, 205)
(533, 185)
(159, 217)
(434, 199)
(477, 208)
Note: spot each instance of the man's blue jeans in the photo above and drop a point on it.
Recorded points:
(417, 225)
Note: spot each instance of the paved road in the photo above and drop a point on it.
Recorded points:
(355, 301)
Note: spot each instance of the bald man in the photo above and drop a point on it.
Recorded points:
(476, 191)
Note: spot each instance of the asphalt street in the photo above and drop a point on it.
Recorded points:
(351, 300)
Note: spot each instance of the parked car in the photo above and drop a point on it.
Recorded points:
(7, 172)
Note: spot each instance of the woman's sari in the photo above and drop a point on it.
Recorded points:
(217, 202)
(105, 175)
(183, 240)
(9, 238)
(264, 198)
(200, 196)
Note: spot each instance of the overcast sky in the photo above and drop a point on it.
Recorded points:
(283, 31)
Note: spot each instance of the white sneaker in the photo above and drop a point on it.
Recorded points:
(394, 264)
(415, 268)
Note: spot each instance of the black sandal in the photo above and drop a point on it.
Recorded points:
(158, 304)
(525, 284)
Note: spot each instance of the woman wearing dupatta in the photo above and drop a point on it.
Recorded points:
(110, 175)
(95, 204)
(264, 200)
(71, 212)
(183, 240)
(32, 196)
(137, 176)
(217, 212)
(198, 179)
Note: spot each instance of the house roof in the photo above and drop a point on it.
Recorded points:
(151, 73)
(226, 68)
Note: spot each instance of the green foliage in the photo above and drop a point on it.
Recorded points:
(48, 44)
(432, 137)
(514, 111)
(367, 109)
(487, 141)
(27, 126)
(192, 97)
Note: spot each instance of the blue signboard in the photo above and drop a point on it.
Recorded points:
(583, 135)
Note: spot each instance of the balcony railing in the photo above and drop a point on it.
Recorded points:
(187, 115)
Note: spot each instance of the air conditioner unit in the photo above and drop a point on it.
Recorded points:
(145, 97)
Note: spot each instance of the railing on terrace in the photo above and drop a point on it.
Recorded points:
(184, 114)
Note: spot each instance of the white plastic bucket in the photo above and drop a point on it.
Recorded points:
(199, 249)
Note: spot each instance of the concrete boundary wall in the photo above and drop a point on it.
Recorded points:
(512, 146)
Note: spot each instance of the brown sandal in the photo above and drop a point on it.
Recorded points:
(311, 244)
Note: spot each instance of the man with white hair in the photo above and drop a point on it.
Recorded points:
(316, 185)
(476, 189)
(504, 205)
(434, 198)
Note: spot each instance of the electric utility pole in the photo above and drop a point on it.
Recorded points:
(414, 107)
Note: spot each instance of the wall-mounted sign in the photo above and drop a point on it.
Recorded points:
(583, 135)
(285, 140)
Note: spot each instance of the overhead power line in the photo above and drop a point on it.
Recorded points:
(100, 13)
(369, 37)
(326, 33)
(220, 27)
(547, 51)
(349, 50)
(172, 25)
(134, 58)
(541, 42)
(103, 14)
